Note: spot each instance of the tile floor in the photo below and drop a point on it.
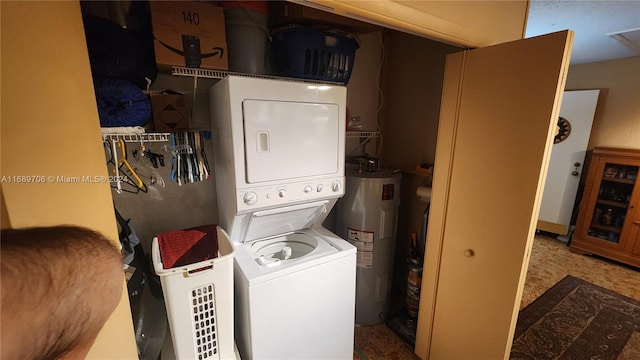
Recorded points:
(551, 261)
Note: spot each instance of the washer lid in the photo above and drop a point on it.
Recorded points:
(284, 220)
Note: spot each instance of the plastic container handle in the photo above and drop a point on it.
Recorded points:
(155, 255)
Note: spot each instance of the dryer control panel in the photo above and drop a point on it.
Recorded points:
(269, 196)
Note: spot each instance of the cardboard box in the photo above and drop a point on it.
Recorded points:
(170, 112)
(189, 34)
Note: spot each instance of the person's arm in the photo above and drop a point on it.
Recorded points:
(59, 286)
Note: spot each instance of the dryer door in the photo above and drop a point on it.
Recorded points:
(288, 140)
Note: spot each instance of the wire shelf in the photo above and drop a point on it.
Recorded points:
(221, 74)
(201, 73)
(145, 137)
(362, 134)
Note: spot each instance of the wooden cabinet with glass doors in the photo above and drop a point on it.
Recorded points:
(609, 220)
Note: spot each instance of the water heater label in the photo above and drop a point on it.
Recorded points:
(387, 192)
(363, 241)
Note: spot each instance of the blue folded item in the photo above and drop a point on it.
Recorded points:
(121, 103)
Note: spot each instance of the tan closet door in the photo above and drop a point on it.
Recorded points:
(499, 106)
(51, 131)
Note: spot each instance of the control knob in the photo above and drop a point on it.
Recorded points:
(319, 187)
(308, 189)
(281, 193)
(250, 198)
(336, 186)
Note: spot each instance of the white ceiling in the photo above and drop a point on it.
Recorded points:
(592, 22)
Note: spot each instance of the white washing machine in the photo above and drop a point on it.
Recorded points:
(279, 169)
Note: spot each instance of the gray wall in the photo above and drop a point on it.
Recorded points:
(173, 207)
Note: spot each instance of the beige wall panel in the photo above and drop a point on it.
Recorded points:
(495, 156)
(469, 23)
(617, 119)
(50, 128)
(413, 90)
(363, 97)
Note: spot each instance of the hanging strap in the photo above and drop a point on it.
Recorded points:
(124, 225)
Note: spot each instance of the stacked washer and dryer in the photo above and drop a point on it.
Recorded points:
(279, 161)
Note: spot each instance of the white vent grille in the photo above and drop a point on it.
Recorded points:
(204, 322)
(629, 38)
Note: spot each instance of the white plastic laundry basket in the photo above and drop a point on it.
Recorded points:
(199, 302)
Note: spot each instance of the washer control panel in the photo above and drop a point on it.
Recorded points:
(259, 197)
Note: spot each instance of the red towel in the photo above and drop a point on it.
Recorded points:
(189, 246)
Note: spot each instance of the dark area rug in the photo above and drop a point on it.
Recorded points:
(578, 320)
